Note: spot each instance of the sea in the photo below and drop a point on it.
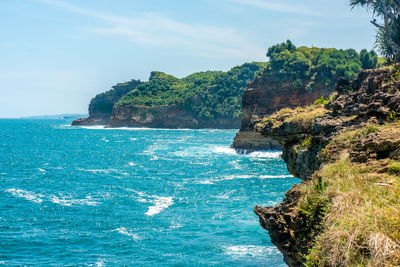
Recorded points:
(92, 196)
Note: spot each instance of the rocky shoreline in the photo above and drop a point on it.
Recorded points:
(354, 139)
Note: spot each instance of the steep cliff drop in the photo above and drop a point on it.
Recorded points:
(265, 95)
(101, 107)
(347, 151)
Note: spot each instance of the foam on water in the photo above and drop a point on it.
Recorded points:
(65, 201)
(244, 176)
(183, 193)
(250, 250)
(265, 154)
(61, 200)
(126, 232)
(224, 150)
(30, 196)
(160, 204)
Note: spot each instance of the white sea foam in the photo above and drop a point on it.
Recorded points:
(103, 127)
(274, 176)
(133, 139)
(244, 176)
(126, 232)
(94, 127)
(100, 263)
(42, 170)
(64, 201)
(224, 150)
(131, 164)
(249, 250)
(30, 196)
(265, 154)
(160, 204)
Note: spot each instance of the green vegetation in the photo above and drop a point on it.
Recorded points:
(217, 94)
(103, 103)
(207, 95)
(388, 32)
(306, 66)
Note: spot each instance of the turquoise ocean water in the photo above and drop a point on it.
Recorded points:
(152, 197)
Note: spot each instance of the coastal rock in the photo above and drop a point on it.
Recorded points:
(368, 114)
(266, 95)
(171, 117)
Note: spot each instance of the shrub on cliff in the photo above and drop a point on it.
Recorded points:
(305, 66)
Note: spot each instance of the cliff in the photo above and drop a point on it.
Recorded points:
(294, 77)
(265, 95)
(101, 106)
(347, 151)
(208, 99)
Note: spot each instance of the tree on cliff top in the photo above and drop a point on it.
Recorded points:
(388, 33)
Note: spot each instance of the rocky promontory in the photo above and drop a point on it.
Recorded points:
(294, 77)
(346, 150)
(210, 99)
(101, 106)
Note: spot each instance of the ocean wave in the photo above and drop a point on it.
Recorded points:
(160, 204)
(265, 154)
(250, 250)
(104, 127)
(224, 150)
(243, 176)
(63, 201)
(28, 195)
(126, 232)
(105, 171)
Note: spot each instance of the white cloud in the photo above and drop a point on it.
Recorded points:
(157, 30)
(278, 6)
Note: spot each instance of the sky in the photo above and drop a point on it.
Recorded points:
(55, 55)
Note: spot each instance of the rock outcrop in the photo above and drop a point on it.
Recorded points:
(172, 117)
(101, 106)
(266, 95)
(351, 141)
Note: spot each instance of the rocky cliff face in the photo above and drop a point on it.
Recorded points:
(265, 95)
(101, 106)
(165, 117)
(347, 152)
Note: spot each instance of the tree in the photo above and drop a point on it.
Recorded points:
(368, 59)
(388, 35)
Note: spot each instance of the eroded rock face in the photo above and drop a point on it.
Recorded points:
(164, 117)
(266, 95)
(373, 99)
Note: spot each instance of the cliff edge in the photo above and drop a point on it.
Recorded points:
(294, 77)
(346, 211)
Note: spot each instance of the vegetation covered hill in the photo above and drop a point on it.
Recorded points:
(206, 95)
(216, 96)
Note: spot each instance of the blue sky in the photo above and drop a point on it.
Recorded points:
(55, 55)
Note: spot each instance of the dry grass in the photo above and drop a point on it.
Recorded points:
(304, 116)
(362, 223)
